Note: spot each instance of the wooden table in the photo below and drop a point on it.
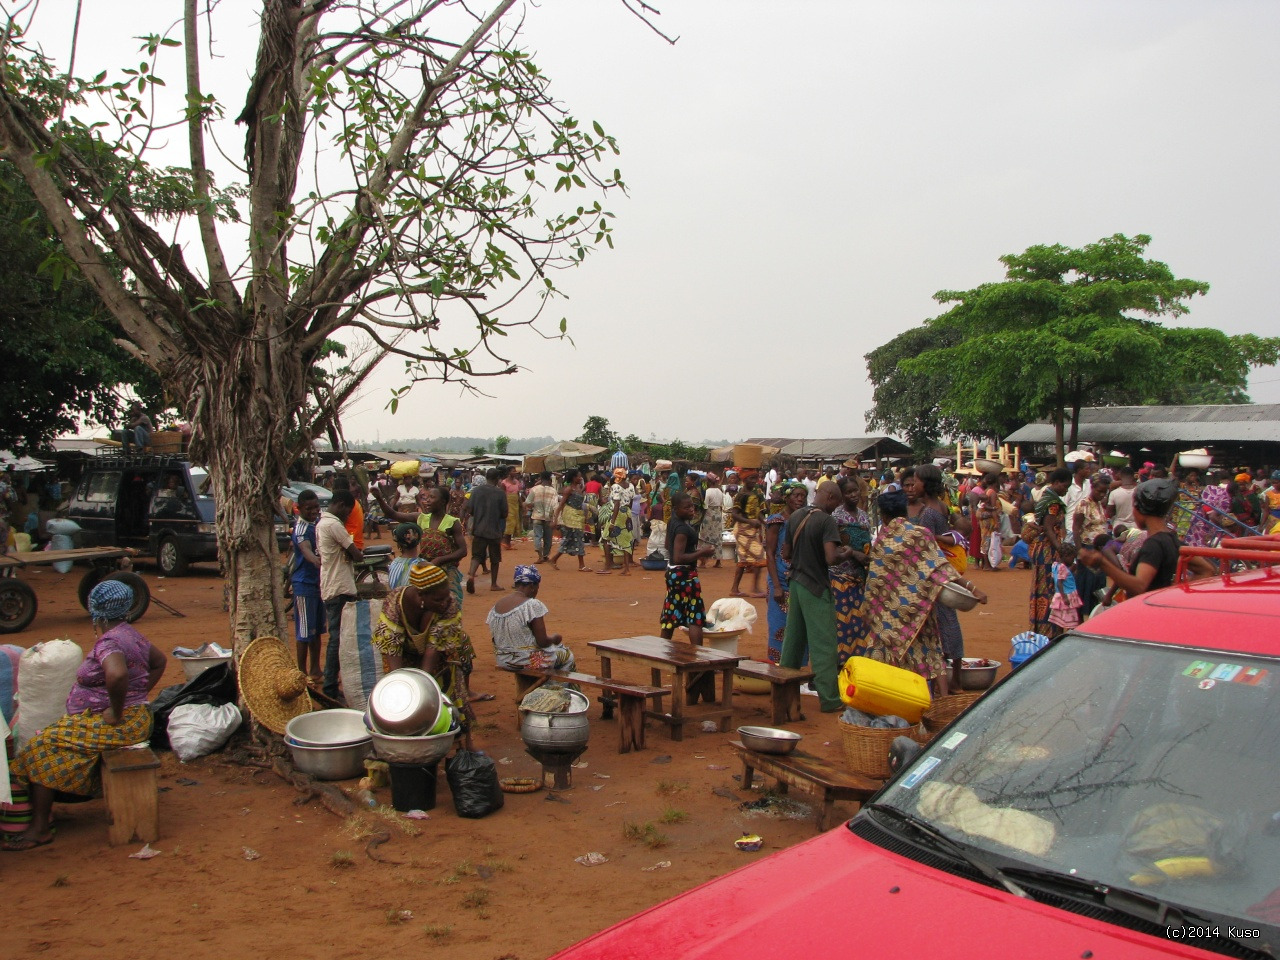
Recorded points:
(682, 660)
(809, 773)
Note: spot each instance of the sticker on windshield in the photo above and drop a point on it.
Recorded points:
(954, 740)
(1226, 671)
(1206, 684)
(920, 772)
(1198, 670)
(1251, 677)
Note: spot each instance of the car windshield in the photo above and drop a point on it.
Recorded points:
(200, 480)
(1140, 767)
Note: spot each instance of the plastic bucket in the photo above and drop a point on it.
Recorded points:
(413, 786)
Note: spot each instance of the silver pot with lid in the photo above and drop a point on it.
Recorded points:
(566, 732)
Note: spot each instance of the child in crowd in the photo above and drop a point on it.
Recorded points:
(1022, 549)
(1064, 609)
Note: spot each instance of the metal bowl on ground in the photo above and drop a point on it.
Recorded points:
(345, 761)
(956, 597)
(769, 739)
(417, 750)
(327, 728)
(405, 703)
(977, 677)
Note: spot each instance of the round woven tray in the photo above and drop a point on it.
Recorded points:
(520, 785)
(866, 749)
(946, 709)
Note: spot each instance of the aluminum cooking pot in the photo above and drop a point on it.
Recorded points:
(405, 703)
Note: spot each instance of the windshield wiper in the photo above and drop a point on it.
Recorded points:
(1132, 904)
(925, 829)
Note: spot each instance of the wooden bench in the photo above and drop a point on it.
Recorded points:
(784, 687)
(630, 699)
(131, 788)
(810, 774)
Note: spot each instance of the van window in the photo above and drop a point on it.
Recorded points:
(102, 488)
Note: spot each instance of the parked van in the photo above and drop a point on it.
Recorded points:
(158, 504)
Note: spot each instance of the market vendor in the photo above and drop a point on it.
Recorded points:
(421, 626)
(519, 628)
(106, 709)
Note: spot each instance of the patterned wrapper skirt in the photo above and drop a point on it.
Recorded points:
(750, 542)
(683, 604)
(64, 755)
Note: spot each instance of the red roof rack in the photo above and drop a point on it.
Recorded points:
(1261, 550)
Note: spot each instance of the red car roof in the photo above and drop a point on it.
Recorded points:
(1239, 613)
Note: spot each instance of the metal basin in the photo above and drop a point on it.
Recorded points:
(192, 667)
(342, 762)
(956, 597)
(558, 732)
(769, 739)
(405, 703)
(977, 678)
(419, 750)
(327, 728)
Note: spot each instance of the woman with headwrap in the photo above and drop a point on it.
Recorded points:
(616, 535)
(406, 537)
(421, 626)
(1156, 563)
(794, 495)
(519, 628)
(905, 572)
(440, 538)
(1051, 515)
(106, 710)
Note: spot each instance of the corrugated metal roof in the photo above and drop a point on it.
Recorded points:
(1206, 423)
(839, 448)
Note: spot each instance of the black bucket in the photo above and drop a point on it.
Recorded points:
(413, 786)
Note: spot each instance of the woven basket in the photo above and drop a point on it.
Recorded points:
(520, 785)
(946, 709)
(866, 749)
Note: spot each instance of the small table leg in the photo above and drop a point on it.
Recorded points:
(823, 812)
(726, 696)
(747, 773)
(786, 702)
(678, 681)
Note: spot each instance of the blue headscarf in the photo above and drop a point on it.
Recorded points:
(110, 600)
(527, 574)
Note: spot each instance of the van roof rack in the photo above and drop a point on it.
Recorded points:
(140, 459)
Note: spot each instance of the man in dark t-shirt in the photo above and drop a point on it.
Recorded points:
(488, 521)
(812, 544)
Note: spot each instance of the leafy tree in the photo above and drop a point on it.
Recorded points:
(911, 406)
(479, 450)
(63, 364)
(596, 432)
(451, 200)
(500, 444)
(1068, 328)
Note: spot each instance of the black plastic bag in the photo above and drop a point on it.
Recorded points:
(473, 781)
(216, 686)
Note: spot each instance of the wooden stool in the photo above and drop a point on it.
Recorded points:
(131, 788)
(813, 775)
(784, 687)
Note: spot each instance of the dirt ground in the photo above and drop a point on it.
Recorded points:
(506, 886)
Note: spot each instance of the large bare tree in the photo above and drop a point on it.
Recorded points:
(407, 177)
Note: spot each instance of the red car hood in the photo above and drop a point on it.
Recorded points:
(839, 896)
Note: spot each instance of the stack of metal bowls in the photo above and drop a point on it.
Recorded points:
(329, 744)
(409, 718)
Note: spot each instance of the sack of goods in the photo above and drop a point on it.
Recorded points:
(403, 469)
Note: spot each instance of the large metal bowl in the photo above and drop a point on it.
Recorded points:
(769, 739)
(192, 667)
(342, 762)
(405, 703)
(977, 678)
(419, 750)
(327, 728)
(956, 597)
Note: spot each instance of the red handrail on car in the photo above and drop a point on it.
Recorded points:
(1264, 549)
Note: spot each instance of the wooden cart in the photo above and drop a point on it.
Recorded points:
(18, 600)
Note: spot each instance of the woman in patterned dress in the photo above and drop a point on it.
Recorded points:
(793, 496)
(849, 579)
(1051, 512)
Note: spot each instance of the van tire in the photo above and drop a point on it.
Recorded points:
(17, 605)
(171, 558)
(92, 577)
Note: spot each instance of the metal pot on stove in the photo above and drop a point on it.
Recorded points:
(558, 732)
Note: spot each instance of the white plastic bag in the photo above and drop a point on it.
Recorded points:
(995, 550)
(196, 729)
(46, 674)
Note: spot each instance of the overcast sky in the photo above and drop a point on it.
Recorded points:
(805, 175)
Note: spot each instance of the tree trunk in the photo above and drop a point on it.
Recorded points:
(1060, 454)
(242, 405)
